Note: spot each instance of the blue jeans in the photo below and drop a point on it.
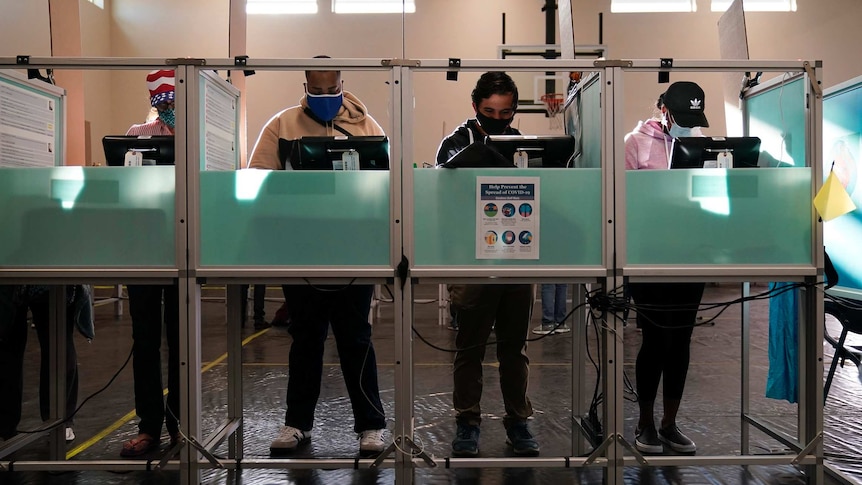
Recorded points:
(553, 303)
(312, 311)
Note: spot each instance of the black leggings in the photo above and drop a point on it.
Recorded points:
(666, 336)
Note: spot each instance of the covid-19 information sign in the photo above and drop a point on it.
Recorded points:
(507, 218)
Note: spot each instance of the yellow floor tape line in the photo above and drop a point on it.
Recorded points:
(131, 414)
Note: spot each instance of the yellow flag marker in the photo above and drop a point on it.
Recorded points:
(832, 200)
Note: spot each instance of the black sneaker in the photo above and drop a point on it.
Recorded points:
(466, 442)
(647, 441)
(677, 441)
(518, 436)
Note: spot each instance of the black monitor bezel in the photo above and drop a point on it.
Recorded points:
(507, 145)
(116, 147)
(370, 143)
(708, 148)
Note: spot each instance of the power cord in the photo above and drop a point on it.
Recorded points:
(91, 396)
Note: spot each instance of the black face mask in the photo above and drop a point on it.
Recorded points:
(493, 126)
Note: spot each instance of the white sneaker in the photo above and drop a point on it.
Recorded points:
(371, 441)
(70, 434)
(289, 438)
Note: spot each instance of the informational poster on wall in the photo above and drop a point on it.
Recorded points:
(29, 123)
(219, 127)
(507, 217)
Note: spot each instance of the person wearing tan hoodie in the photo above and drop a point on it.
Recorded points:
(325, 110)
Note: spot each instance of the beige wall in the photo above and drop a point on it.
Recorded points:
(96, 42)
(198, 28)
(433, 32)
(825, 30)
(24, 28)
(160, 29)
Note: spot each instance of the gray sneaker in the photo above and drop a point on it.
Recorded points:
(544, 328)
(563, 328)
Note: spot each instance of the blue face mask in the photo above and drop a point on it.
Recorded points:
(677, 131)
(324, 106)
(168, 117)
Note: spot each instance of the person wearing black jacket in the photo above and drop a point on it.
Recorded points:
(480, 308)
(494, 115)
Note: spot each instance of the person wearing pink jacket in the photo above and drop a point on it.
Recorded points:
(666, 311)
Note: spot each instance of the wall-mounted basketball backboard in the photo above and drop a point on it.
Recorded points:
(533, 85)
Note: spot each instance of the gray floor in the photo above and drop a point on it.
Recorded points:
(709, 413)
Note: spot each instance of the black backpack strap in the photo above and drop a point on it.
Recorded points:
(342, 130)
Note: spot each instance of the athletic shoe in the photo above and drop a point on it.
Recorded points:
(466, 442)
(371, 442)
(544, 328)
(518, 436)
(289, 439)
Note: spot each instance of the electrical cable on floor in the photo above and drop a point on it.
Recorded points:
(68, 418)
(611, 302)
(412, 454)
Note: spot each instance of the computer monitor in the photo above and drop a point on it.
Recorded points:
(155, 149)
(477, 155)
(553, 151)
(696, 152)
(330, 152)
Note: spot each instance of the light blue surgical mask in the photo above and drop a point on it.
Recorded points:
(677, 131)
(324, 106)
(168, 117)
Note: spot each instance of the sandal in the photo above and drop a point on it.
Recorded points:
(141, 445)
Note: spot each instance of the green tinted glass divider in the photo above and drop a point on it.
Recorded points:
(570, 227)
(777, 117)
(87, 216)
(842, 152)
(591, 125)
(715, 217)
(292, 218)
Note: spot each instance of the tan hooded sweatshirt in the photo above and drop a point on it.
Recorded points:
(293, 123)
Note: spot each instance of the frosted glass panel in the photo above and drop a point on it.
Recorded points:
(87, 216)
(292, 218)
(591, 125)
(842, 152)
(777, 117)
(717, 216)
(445, 220)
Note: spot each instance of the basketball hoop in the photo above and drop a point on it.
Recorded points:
(553, 105)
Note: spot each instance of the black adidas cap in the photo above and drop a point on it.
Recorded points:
(685, 101)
